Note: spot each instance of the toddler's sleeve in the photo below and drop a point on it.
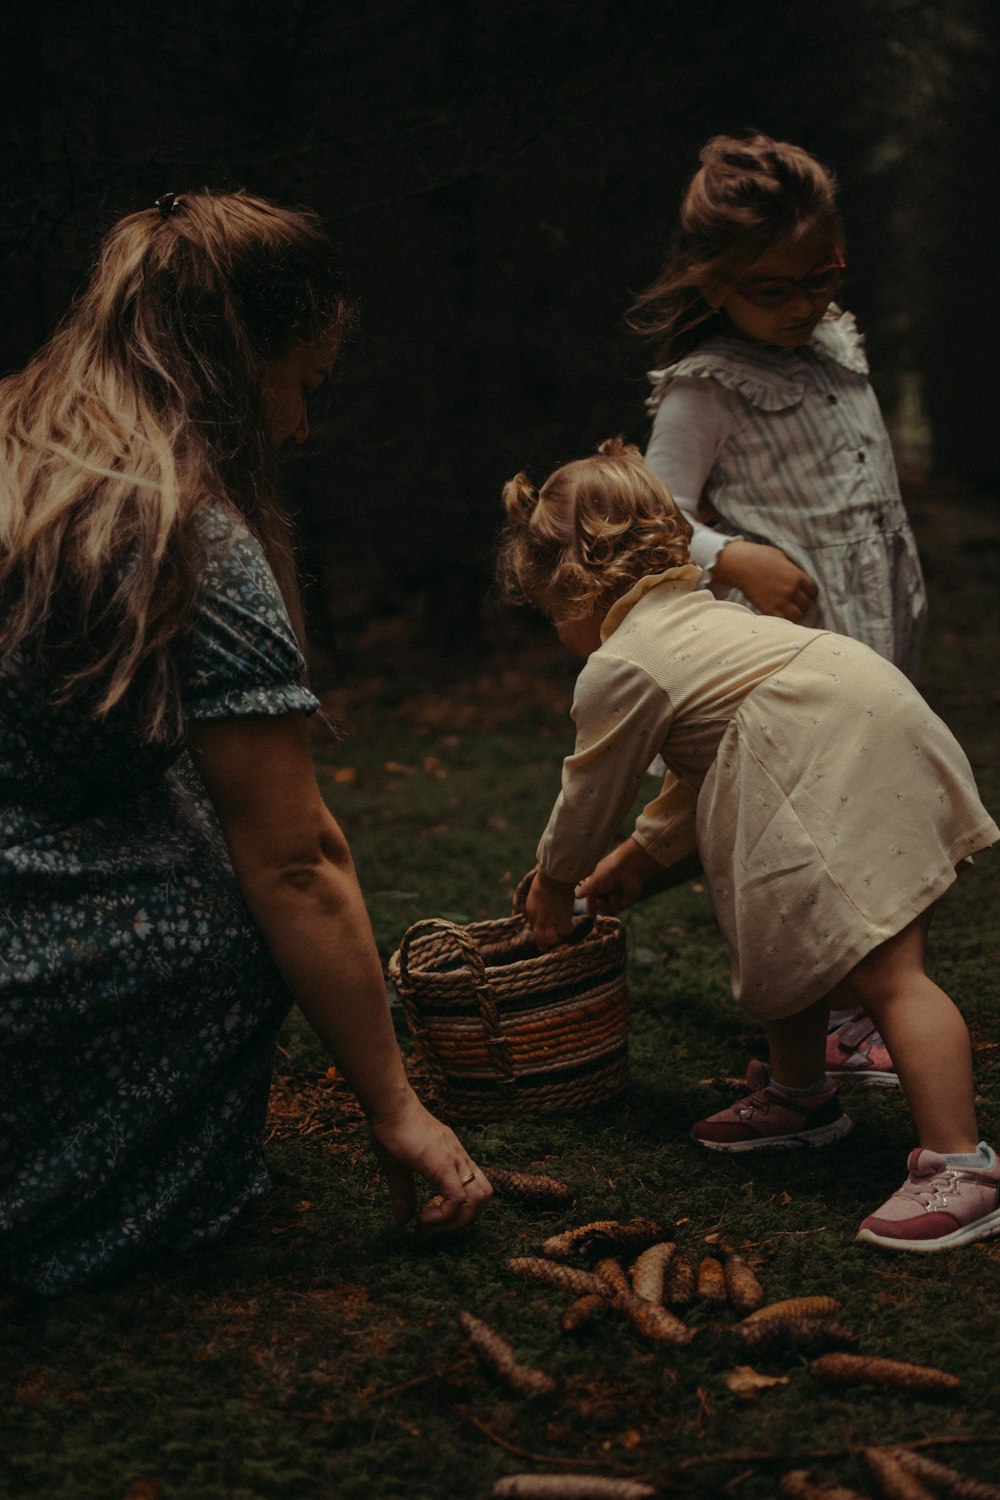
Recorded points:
(667, 827)
(622, 716)
(242, 656)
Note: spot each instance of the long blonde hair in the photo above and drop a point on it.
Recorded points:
(144, 406)
(596, 526)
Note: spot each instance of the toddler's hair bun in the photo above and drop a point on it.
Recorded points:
(616, 447)
(519, 499)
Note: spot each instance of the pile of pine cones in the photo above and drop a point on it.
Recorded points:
(661, 1283)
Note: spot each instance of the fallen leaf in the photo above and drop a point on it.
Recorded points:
(745, 1381)
(346, 775)
(33, 1392)
(396, 768)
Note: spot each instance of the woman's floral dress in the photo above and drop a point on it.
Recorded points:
(138, 1004)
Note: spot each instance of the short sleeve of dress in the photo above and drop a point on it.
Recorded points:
(242, 656)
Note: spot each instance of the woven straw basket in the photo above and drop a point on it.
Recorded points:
(505, 1030)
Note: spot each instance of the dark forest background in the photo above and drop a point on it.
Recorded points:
(501, 177)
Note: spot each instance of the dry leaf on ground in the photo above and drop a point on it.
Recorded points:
(745, 1381)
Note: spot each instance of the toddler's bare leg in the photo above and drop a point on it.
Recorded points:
(797, 1046)
(926, 1037)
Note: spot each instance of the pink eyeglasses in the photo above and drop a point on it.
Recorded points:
(776, 291)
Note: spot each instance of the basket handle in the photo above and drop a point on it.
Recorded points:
(485, 998)
(458, 935)
(521, 893)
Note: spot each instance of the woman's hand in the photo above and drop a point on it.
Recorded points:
(295, 871)
(548, 910)
(620, 880)
(766, 577)
(413, 1140)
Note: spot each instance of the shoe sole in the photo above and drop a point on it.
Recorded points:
(865, 1080)
(823, 1135)
(982, 1229)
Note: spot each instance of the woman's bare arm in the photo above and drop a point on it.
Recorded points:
(297, 877)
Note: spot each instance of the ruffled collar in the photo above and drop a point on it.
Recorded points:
(767, 377)
(839, 338)
(683, 579)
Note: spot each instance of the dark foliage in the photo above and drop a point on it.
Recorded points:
(502, 177)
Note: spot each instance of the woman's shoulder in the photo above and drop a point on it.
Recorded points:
(219, 528)
(233, 561)
(243, 656)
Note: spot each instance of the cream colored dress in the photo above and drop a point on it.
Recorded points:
(829, 804)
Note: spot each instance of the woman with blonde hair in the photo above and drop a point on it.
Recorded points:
(170, 877)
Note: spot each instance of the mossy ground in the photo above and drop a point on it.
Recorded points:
(316, 1353)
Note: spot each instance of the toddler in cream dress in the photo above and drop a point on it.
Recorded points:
(829, 806)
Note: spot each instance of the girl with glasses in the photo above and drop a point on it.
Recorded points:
(768, 434)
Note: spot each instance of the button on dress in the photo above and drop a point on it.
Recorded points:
(138, 1004)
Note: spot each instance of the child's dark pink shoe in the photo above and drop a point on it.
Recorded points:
(771, 1120)
(855, 1052)
(939, 1207)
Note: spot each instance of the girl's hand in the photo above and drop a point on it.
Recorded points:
(621, 879)
(414, 1140)
(548, 910)
(768, 579)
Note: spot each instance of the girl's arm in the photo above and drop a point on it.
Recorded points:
(622, 715)
(692, 422)
(661, 853)
(621, 878)
(296, 874)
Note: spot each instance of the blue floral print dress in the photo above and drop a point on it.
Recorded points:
(138, 1003)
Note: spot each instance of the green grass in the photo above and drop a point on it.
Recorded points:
(316, 1353)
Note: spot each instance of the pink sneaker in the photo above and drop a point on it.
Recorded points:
(856, 1053)
(938, 1207)
(770, 1120)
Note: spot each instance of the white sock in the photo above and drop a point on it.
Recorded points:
(984, 1156)
(806, 1093)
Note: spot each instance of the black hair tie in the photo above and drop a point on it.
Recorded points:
(168, 203)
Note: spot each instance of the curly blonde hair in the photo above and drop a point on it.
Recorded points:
(595, 527)
(145, 405)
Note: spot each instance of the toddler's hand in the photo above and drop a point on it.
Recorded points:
(548, 911)
(769, 580)
(619, 880)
